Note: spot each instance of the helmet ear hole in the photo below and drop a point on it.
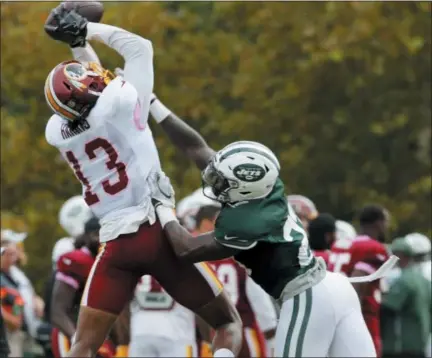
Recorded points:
(67, 85)
(266, 168)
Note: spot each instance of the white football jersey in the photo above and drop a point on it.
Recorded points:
(112, 154)
(155, 313)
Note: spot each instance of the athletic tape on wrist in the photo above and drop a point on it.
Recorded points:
(165, 215)
(158, 110)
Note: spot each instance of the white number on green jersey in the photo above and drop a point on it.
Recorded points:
(293, 231)
(293, 228)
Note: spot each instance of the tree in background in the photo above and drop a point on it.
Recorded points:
(340, 91)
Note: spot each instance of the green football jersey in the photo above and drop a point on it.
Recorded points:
(272, 239)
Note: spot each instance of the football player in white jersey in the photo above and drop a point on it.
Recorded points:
(159, 326)
(100, 128)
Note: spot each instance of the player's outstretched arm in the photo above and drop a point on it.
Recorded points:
(137, 53)
(195, 249)
(182, 135)
(186, 247)
(85, 54)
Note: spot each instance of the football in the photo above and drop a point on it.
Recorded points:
(91, 10)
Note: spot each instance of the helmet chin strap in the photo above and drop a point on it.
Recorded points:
(84, 113)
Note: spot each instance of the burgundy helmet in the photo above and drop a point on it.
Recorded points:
(303, 207)
(72, 88)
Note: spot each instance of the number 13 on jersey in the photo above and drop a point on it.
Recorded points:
(100, 146)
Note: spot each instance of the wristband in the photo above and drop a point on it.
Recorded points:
(165, 215)
(158, 110)
(223, 353)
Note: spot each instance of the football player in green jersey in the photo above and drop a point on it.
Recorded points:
(320, 314)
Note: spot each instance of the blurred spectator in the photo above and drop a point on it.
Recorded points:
(33, 304)
(406, 306)
(322, 234)
(12, 304)
(4, 346)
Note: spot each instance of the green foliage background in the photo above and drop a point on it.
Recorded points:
(340, 91)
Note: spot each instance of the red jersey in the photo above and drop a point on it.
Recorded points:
(74, 267)
(233, 276)
(324, 254)
(365, 254)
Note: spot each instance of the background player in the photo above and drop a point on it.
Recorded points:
(73, 215)
(72, 271)
(159, 326)
(364, 255)
(100, 128)
(322, 234)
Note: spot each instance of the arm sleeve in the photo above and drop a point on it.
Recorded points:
(85, 54)
(397, 295)
(138, 55)
(262, 305)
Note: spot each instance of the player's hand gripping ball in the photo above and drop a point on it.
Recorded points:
(68, 21)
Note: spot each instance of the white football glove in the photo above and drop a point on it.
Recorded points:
(162, 190)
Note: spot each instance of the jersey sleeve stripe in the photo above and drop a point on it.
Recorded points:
(363, 266)
(211, 278)
(67, 279)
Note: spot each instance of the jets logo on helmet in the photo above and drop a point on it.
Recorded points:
(249, 172)
(241, 171)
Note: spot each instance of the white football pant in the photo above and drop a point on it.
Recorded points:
(324, 321)
(156, 346)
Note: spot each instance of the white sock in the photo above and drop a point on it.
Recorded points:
(223, 353)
